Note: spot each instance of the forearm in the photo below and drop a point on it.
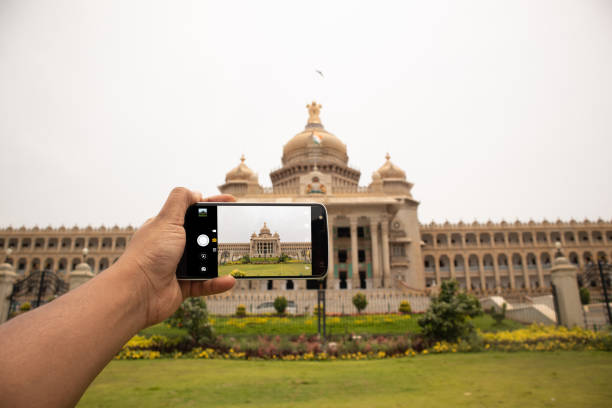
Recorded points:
(50, 355)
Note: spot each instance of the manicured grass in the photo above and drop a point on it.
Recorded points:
(522, 379)
(296, 325)
(285, 269)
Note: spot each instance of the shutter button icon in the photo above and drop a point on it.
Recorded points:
(203, 240)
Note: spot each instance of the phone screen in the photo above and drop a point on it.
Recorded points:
(253, 241)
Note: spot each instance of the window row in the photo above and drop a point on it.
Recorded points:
(503, 261)
(501, 238)
(23, 265)
(64, 243)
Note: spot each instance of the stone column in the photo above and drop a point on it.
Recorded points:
(354, 252)
(563, 277)
(451, 265)
(385, 252)
(330, 253)
(81, 274)
(437, 271)
(483, 280)
(496, 273)
(467, 272)
(511, 273)
(376, 273)
(540, 273)
(7, 280)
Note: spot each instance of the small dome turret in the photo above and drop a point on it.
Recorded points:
(390, 170)
(240, 172)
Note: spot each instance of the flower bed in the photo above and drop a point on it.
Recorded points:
(533, 338)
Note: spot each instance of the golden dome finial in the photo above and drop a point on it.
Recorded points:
(242, 158)
(388, 156)
(313, 112)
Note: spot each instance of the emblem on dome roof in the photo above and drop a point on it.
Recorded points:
(313, 113)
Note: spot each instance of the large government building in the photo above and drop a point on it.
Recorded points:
(376, 240)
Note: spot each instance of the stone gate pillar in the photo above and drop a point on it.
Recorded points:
(563, 277)
(81, 274)
(7, 280)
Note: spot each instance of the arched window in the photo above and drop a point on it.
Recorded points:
(427, 239)
(587, 257)
(470, 239)
(444, 263)
(487, 262)
(531, 261)
(62, 265)
(66, 243)
(569, 236)
(502, 261)
(527, 238)
(517, 261)
(545, 260)
(289, 285)
(513, 238)
(541, 237)
(103, 264)
(597, 236)
(442, 240)
(473, 262)
(459, 263)
(573, 258)
(555, 236)
(35, 264)
(485, 238)
(456, 239)
(499, 238)
(49, 264)
(429, 263)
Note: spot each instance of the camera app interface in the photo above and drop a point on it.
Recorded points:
(250, 241)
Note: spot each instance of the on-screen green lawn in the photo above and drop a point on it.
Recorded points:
(523, 379)
(365, 324)
(282, 269)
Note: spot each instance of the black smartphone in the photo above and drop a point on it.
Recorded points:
(254, 241)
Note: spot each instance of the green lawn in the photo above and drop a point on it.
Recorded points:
(287, 269)
(366, 324)
(522, 379)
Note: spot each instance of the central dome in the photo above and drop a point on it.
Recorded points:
(314, 142)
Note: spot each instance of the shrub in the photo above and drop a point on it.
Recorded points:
(25, 306)
(192, 315)
(360, 302)
(585, 296)
(280, 304)
(241, 311)
(404, 307)
(447, 318)
(498, 316)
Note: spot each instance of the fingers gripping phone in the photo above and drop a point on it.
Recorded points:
(254, 241)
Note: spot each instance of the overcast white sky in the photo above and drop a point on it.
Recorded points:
(495, 109)
(237, 223)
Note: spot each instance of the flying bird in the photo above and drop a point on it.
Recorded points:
(320, 73)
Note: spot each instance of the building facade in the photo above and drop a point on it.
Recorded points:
(376, 240)
(263, 245)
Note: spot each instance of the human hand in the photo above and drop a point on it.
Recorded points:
(154, 253)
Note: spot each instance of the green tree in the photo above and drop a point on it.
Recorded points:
(246, 259)
(192, 315)
(585, 296)
(360, 302)
(280, 304)
(448, 316)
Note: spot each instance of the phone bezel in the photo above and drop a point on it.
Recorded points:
(319, 227)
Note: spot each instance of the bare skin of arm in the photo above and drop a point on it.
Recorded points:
(50, 355)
